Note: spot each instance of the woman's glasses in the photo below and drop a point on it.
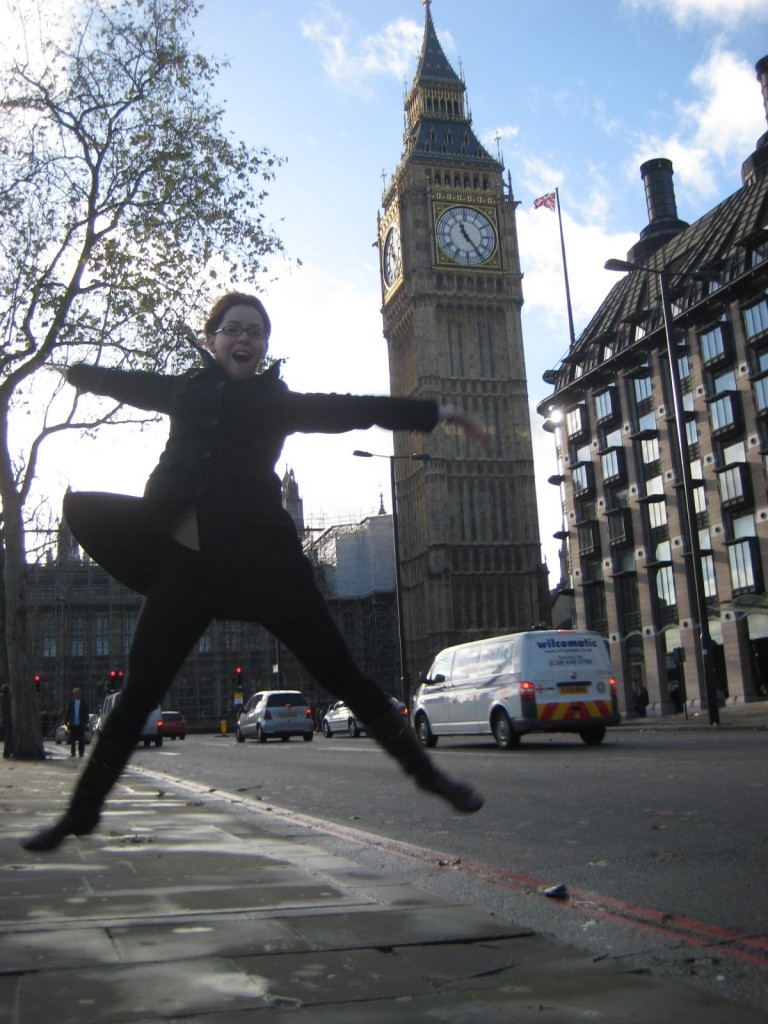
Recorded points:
(235, 330)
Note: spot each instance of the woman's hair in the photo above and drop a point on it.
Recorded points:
(226, 302)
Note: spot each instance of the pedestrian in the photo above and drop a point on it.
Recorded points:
(76, 719)
(210, 539)
(7, 713)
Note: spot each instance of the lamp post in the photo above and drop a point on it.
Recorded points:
(700, 598)
(423, 457)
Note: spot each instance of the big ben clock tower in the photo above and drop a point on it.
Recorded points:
(451, 286)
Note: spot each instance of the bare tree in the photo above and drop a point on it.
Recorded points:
(123, 205)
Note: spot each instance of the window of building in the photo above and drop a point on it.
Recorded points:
(715, 347)
(657, 515)
(101, 626)
(129, 627)
(77, 636)
(663, 552)
(743, 560)
(576, 421)
(650, 451)
(724, 414)
(646, 422)
(643, 389)
(708, 572)
(700, 500)
(605, 405)
(761, 393)
(49, 635)
(620, 527)
(583, 479)
(684, 367)
(613, 465)
(665, 587)
(756, 319)
(733, 483)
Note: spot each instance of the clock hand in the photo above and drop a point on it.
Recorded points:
(473, 244)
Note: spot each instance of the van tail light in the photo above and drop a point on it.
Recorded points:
(267, 715)
(614, 696)
(527, 691)
(406, 710)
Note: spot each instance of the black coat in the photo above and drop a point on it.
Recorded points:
(70, 713)
(225, 439)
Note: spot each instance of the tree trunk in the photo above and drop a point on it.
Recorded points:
(27, 736)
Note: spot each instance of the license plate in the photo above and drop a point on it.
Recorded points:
(569, 688)
(288, 714)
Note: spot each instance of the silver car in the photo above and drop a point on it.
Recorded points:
(282, 713)
(340, 718)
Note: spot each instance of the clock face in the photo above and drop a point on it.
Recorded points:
(466, 235)
(393, 257)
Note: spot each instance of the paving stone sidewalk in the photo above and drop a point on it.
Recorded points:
(184, 908)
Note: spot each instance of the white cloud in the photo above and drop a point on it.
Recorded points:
(721, 12)
(350, 65)
(716, 131)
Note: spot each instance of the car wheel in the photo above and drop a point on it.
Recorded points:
(352, 728)
(593, 736)
(147, 742)
(183, 737)
(261, 736)
(424, 733)
(308, 737)
(327, 730)
(159, 741)
(284, 739)
(503, 733)
(238, 735)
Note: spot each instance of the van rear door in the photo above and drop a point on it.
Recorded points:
(571, 673)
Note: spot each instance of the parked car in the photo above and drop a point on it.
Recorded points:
(174, 726)
(152, 730)
(282, 713)
(340, 718)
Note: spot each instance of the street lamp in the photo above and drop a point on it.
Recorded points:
(700, 599)
(423, 457)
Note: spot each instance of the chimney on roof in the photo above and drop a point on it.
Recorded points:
(663, 222)
(755, 166)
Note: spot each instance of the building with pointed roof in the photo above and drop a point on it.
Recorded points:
(661, 520)
(470, 554)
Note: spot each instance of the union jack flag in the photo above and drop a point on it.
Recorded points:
(548, 200)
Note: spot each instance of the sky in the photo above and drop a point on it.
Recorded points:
(572, 94)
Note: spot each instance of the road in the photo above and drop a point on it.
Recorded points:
(658, 836)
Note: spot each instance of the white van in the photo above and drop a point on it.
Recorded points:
(152, 730)
(539, 681)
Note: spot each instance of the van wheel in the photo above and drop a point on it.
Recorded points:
(238, 735)
(505, 736)
(352, 728)
(261, 736)
(327, 730)
(593, 736)
(424, 733)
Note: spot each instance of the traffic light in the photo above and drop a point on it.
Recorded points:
(37, 680)
(238, 675)
(115, 678)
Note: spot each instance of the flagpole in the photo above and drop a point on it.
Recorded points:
(565, 272)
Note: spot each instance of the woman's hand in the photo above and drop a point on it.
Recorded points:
(452, 414)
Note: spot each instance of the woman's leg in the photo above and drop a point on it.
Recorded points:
(175, 612)
(317, 643)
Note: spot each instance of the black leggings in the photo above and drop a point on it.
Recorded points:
(177, 610)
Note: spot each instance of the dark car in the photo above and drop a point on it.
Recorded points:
(174, 726)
